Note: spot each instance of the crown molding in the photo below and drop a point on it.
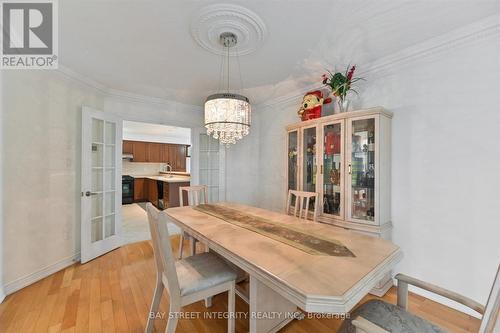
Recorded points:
(120, 94)
(477, 31)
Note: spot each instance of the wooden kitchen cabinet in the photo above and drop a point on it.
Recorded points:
(140, 151)
(128, 147)
(140, 190)
(152, 191)
(153, 152)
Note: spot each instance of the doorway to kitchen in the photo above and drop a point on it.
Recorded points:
(156, 161)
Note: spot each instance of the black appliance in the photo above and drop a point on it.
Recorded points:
(127, 189)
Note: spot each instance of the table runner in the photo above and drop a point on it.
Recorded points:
(289, 235)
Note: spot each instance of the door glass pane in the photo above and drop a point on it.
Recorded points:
(110, 132)
(331, 169)
(109, 203)
(110, 180)
(97, 130)
(110, 156)
(97, 155)
(209, 166)
(96, 205)
(96, 229)
(363, 169)
(109, 228)
(310, 163)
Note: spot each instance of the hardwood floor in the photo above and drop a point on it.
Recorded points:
(113, 293)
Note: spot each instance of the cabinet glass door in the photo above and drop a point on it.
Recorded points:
(332, 169)
(293, 146)
(362, 169)
(309, 162)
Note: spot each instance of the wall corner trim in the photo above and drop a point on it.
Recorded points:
(31, 278)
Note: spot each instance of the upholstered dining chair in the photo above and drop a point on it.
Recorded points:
(376, 316)
(195, 195)
(188, 280)
(301, 208)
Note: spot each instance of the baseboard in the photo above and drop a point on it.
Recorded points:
(26, 280)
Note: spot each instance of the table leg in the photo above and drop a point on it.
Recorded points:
(269, 311)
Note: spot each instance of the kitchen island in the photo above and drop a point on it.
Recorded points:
(161, 190)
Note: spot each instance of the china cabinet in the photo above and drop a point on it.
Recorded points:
(345, 158)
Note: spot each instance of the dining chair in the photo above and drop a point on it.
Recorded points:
(188, 280)
(300, 208)
(377, 316)
(195, 195)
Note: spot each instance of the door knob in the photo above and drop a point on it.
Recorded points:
(88, 193)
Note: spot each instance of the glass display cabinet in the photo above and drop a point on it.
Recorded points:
(345, 158)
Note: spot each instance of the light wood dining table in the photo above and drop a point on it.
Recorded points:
(283, 277)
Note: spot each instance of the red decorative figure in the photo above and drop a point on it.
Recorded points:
(312, 104)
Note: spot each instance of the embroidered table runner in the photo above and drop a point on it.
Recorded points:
(289, 235)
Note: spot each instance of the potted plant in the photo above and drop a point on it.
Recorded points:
(340, 84)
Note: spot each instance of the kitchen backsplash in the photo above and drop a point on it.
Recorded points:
(140, 169)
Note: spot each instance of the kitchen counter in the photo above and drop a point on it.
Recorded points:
(173, 179)
(166, 178)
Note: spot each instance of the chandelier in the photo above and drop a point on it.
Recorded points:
(227, 115)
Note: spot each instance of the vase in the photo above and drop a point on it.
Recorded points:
(343, 105)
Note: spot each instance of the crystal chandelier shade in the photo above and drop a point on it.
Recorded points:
(227, 115)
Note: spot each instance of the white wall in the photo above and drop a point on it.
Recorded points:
(41, 132)
(41, 160)
(445, 161)
(243, 167)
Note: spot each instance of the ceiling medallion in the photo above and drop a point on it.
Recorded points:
(211, 21)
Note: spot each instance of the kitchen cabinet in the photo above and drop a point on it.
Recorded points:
(128, 147)
(154, 152)
(152, 191)
(140, 151)
(140, 190)
(345, 158)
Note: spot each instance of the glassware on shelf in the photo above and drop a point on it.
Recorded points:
(332, 134)
(363, 169)
(309, 162)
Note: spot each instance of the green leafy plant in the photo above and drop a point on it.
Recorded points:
(341, 83)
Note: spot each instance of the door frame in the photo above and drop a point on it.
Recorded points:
(88, 249)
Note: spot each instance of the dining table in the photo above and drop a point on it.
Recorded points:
(292, 263)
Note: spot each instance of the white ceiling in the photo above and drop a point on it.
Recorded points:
(146, 47)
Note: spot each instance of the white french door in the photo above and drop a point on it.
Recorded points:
(101, 183)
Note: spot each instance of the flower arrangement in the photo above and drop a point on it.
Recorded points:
(340, 84)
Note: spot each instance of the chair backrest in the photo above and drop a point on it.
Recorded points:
(164, 257)
(196, 195)
(490, 316)
(301, 208)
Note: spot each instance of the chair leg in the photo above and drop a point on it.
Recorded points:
(181, 245)
(174, 318)
(155, 304)
(231, 308)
